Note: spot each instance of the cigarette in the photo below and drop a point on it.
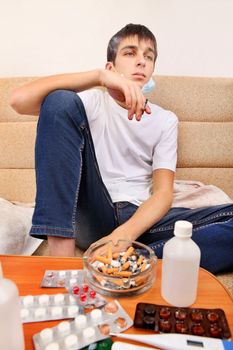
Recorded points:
(111, 270)
(128, 253)
(123, 273)
(125, 266)
(140, 260)
(103, 259)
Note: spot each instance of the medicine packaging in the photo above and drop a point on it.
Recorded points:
(84, 329)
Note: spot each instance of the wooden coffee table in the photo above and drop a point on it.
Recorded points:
(28, 271)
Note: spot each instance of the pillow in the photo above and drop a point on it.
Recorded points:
(15, 224)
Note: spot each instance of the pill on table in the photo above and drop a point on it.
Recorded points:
(64, 327)
(71, 341)
(62, 273)
(40, 312)
(52, 346)
(24, 313)
(89, 332)
(43, 299)
(28, 300)
(72, 310)
(56, 311)
(46, 335)
(96, 314)
(80, 321)
(59, 298)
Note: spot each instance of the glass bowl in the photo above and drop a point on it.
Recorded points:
(124, 268)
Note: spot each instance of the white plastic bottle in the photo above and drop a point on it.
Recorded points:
(11, 330)
(180, 267)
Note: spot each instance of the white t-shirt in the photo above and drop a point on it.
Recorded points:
(128, 151)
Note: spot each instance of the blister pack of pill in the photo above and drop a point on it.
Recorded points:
(84, 329)
(59, 278)
(83, 294)
(74, 282)
(46, 307)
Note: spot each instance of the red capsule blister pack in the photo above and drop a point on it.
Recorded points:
(170, 319)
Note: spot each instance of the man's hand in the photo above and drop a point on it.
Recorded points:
(115, 236)
(127, 92)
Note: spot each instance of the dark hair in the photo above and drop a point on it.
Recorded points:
(141, 31)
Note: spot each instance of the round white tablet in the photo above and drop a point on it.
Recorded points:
(43, 299)
(59, 298)
(80, 321)
(24, 313)
(46, 335)
(72, 300)
(28, 300)
(64, 327)
(71, 341)
(39, 312)
(72, 310)
(96, 314)
(56, 311)
(62, 273)
(89, 333)
(52, 346)
(74, 273)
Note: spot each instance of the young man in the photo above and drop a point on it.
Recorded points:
(105, 160)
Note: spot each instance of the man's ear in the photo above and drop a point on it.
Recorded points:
(110, 66)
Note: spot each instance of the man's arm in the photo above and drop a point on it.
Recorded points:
(28, 98)
(151, 211)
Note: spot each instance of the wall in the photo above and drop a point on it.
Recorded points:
(41, 37)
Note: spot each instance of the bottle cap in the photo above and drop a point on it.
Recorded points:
(183, 228)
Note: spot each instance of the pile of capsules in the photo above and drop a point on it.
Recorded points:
(84, 329)
(195, 321)
(121, 264)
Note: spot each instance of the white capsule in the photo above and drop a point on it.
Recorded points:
(71, 341)
(72, 310)
(40, 312)
(46, 335)
(43, 299)
(64, 327)
(59, 298)
(52, 346)
(28, 300)
(24, 313)
(56, 311)
(96, 314)
(80, 321)
(62, 273)
(89, 333)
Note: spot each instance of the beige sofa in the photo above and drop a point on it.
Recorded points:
(204, 107)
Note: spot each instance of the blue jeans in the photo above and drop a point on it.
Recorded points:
(72, 200)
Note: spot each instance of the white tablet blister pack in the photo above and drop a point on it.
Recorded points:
(84, 329)
(46, 307)
(59, 278)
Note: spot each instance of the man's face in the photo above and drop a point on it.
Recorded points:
(135, 59)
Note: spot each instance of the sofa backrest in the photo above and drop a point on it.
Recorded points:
(204, 107)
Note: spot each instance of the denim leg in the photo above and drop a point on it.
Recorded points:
(212, 231)
(71, 199)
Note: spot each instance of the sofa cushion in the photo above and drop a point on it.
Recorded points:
(15, 223)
